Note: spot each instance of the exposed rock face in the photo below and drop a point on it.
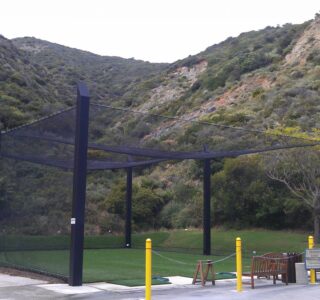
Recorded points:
(35, 48)
(246, 86)
(192, 73)
(179, 81)
(241, 92)
(308, 42)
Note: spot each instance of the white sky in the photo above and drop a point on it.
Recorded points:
(152, 30)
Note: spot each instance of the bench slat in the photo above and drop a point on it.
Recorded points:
(271, 264)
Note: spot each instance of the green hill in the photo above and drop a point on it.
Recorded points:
(39, 77)
(267, 79)
(258, 77)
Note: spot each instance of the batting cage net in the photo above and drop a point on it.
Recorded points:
(37, 169)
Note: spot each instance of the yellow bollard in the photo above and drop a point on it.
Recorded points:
(148, 269)
(239, 264)
(312, 271)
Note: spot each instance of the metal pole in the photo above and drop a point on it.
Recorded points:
(312, 271)
(239, 264)
(148, 269)
(79, 185)
(206, 208)
(128, 208)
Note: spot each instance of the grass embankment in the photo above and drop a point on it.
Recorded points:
(127, 265)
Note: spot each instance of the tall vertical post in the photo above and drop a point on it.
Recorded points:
(312, 271)
(128, 208)
(239, 264)
(206, 208)
(79, 185)
(148, 269)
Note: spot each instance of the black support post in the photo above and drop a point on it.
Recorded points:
(206, 208)
(79, 186)
(128, 208)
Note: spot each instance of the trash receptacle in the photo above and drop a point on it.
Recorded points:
(292, 259)
(301, 273)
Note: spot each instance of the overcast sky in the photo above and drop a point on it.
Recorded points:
(151, 30)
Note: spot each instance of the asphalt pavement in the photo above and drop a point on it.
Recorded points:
(18, 288)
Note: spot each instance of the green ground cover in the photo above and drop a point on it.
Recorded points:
(127, 265)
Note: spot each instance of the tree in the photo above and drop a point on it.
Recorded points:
(299, 171)
(244, 196)
(147, 201)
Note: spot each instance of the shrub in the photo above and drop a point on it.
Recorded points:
(314, 57)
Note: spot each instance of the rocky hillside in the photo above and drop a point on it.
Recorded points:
(109, 78)
(39, 77)
(306, 46)
(267, 79)
(25, 88)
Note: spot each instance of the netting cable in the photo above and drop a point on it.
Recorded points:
(189, 264)
(128, 110)
(55, 114)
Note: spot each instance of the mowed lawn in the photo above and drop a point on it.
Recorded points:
(175, 253)
(122, 264)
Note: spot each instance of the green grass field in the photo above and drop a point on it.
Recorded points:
(127, 265)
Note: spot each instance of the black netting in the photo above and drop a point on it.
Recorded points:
(135, 133)
(37, 163)
(48, 141)
(35, 216)
(120, 138)
(36, 194)
(99, 221)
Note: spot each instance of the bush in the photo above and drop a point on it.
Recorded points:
(243, 196)
(314, 57)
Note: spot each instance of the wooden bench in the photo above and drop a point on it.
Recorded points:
(270, 264)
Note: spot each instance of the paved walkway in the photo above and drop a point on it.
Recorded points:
(16, 288)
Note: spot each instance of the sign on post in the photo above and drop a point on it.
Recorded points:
(312, 259)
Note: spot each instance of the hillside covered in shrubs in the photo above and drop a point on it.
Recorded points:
(265, 80)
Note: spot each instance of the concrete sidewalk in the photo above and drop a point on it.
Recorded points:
(16, 288)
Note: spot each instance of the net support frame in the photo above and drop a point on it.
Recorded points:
(80, 165)
(79, 186)
(128, 208)
(206, 207)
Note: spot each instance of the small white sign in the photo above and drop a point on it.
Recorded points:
(312, 259)
(73, 221)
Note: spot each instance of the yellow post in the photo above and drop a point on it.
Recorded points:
(148, 269)
(312, 271)
(239, 264)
